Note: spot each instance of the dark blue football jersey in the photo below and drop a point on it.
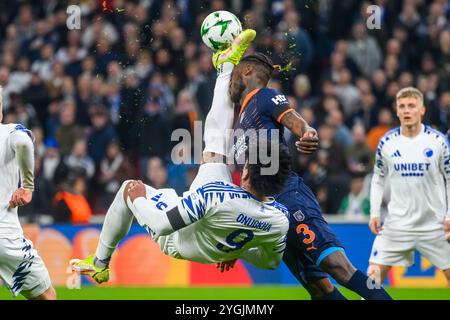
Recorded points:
(260, 116)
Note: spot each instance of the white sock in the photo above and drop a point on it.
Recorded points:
(116, 226)
(219, 120)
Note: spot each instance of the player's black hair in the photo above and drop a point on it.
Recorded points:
(263, 62)
(269, 185)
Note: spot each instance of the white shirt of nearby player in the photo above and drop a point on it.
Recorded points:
(416, 161)
(16, 155)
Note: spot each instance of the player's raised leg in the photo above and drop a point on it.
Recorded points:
(219, 120)
(117, 224)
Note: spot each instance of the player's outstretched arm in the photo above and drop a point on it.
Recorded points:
(308, 139)
(226, 265)
(191, 208)
(24, 150)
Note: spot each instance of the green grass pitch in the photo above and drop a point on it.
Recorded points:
(222, 293)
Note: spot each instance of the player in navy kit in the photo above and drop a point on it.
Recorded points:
(312, 250)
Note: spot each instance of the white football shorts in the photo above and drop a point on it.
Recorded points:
(210, 172)
(21, 268)
(399, 251)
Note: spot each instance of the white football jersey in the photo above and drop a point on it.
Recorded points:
(418, 171)
(10, 180)
(223, 221)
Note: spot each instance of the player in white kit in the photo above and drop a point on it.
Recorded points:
(21, 268)
(215, 221)
(415, 160)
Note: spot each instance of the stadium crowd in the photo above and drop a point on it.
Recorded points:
(102, 101)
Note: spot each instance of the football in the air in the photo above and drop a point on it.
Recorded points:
(219, 29)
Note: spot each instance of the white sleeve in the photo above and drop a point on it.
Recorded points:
(163, 219)
(444, 167)
(23, 148)
(266, 256)
(377, 183)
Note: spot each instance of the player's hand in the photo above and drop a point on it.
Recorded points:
(136, 189)
(447, 229)
(20, 197)
(226, 265)
(309, 142)
(375, 225)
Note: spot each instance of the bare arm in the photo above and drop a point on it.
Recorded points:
(376, 190)
(294, 122)
(308, 139)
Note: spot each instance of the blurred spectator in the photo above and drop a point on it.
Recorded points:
(360, 157)
(348, 94)
(300, 43)
(444, 111)
(70, 204)
(21, 77)
(180, 167)
(51, 159)
(43, 65)
(154, 135)
(331, 158)
(25, 112)
(102, 133)
(156, 174)
(302, 91)
(39, 145)
(342, 134)
(114, 170)
(186, 112)
(356, 205)
(68, 131)
(385, 122)
(364, 50)
(42, 196)
(78, 159)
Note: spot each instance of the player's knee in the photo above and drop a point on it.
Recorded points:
(49, 294)
(124, 190)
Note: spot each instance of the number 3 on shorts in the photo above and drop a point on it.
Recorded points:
(308, 235)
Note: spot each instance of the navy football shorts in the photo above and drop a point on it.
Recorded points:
(310, 238)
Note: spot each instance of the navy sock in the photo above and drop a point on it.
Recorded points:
(361, 284)
(334, 295)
